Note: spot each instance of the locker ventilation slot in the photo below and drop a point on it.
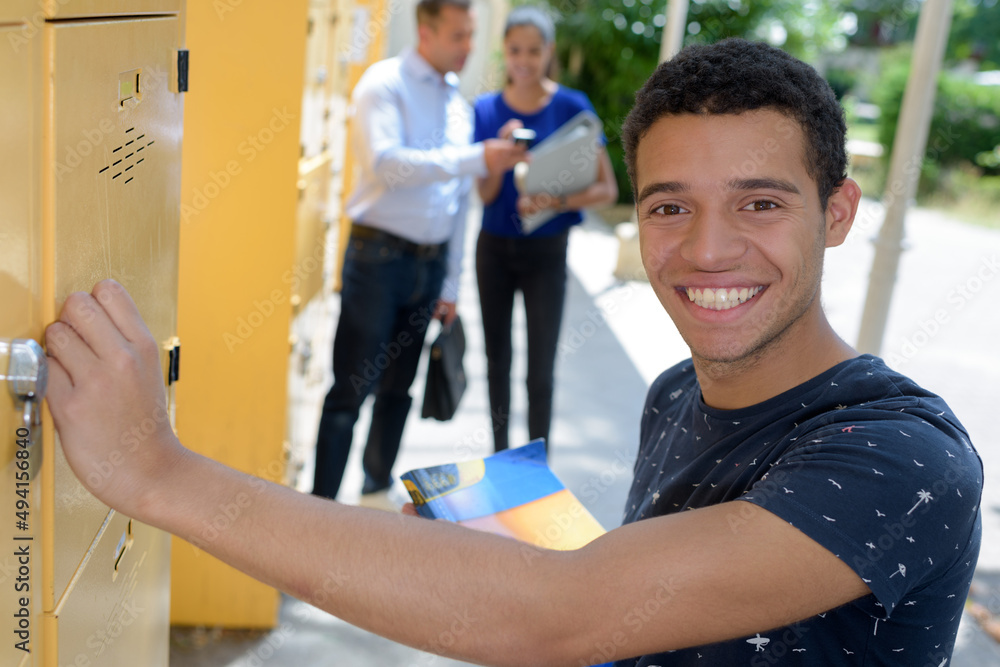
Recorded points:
(132, 145)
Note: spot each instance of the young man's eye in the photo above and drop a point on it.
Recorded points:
(761, 205)
(668, 209)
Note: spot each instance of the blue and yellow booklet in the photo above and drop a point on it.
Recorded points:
(513, 493)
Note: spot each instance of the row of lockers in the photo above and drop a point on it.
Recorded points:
(91, 128)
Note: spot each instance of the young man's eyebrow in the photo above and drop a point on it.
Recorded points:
(665, 186)
(737, 184)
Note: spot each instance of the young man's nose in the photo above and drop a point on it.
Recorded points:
(713, 242)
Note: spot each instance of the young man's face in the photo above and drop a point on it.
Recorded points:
(732, 233)
(445, 42)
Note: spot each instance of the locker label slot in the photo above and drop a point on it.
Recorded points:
(130, 88)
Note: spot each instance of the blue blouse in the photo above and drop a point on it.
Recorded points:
(500, 217)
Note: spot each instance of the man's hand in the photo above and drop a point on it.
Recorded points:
(446, 311)
(502, 154)
(107, 397)
(507, 130)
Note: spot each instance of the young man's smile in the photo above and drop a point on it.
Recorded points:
(721, 298)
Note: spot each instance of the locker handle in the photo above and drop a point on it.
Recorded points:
(27, 376)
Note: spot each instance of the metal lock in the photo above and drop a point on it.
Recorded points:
(27, 373)
(27, 376)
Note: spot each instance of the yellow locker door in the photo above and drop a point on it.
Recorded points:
(316, 92)
(20, 317)
(311, 228)
(112, 183)
(75, 9)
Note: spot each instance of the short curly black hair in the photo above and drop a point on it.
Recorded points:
(735, 76)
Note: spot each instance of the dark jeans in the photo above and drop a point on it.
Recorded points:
(536, 267)
(386, 304)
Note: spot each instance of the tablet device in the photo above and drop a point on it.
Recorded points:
(564, 162)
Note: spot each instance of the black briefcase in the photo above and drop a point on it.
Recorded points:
(445, 374)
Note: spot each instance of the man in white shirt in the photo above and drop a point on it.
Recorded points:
(411, 132)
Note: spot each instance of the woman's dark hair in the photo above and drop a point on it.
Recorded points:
(526, 15)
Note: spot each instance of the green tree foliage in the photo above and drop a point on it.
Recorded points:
(883, 22)
(975, 33)
(965, 123)
(974, 30)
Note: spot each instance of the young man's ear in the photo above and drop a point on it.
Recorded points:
(841, 208)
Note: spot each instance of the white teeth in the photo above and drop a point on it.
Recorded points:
(722, 298)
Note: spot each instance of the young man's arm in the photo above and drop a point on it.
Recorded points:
(682, 580)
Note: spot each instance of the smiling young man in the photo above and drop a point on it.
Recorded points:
(794, 503)
(737, 158)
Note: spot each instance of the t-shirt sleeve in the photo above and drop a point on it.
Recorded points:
(893, 495)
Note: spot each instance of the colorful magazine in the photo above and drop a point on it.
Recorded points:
(513, 493)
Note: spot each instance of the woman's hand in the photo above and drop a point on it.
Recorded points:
(531, 204)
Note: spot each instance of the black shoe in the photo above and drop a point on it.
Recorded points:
(371, 485)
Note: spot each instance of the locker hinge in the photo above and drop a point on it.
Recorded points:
(179, 80)
(174, 367)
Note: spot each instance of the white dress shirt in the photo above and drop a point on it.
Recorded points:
(411, 131)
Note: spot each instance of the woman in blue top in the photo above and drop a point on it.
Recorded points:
(507, 260)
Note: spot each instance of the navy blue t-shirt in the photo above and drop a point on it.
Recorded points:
(862, 460)
(500, 217)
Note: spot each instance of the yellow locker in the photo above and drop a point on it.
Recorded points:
(316, 92)
(238, 208)
(18, 14)
(89, 189)
(112, 183)
(74, 9)
(311, 228)
(20, 317)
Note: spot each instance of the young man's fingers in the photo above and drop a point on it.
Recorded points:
(68, 352)
(91, 323)
(60, 389)
(122, 310)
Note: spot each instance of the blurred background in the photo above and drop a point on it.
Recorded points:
(232, 241)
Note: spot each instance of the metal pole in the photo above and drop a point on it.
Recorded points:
(673, 30)
(904, 171)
